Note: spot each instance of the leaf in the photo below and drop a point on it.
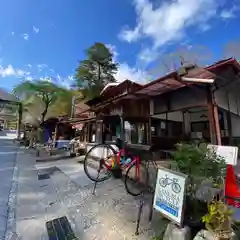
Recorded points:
(94, 72)
(43, 99)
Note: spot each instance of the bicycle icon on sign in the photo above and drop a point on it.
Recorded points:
(163, 182)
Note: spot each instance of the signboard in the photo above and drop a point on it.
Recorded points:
(169, 196)
(229, 153)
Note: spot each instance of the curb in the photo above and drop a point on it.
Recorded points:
(10, 232)
(53, 157)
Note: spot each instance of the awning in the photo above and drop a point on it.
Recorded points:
(173, 82)
(76, 121)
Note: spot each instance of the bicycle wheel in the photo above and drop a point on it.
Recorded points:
(176, 187)
(97, 162)
(163, 182)
(134, 184)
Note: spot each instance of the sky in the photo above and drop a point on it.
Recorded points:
(46, 39)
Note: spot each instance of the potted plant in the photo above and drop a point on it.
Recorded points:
(201, 165)
(219, 221)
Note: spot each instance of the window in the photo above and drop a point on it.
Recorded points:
(135, 133)
(92, 132)
(111, 128)
(158, 128)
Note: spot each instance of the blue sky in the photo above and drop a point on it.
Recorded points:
(45, 39)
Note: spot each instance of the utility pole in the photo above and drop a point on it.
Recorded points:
(73, 106)
(74, 98)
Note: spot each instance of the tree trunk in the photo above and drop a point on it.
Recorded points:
(44, 112)
(99, 74)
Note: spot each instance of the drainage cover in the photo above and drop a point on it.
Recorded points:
(43, 176)
(60, 229)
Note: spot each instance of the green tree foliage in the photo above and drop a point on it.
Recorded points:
(63, 105)
(95, 71)
(40, 95)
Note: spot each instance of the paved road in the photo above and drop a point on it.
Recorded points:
(7, 161)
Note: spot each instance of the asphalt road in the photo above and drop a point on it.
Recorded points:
(7, 161)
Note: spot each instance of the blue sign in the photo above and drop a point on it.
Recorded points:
(167, 208)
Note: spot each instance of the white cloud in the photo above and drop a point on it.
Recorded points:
(20, 72)
(36, 30)
(168, 21)
(42, 66)
(133, 74)
(11, 71)
(204, 27)
(130, 35)
(113, 50)
(71, 78)
(148, 55)
(67, 82)
(25, 36)
(29, 78)
(8, 71)
(124, 70)
(231, 12)
(29, 65)
(227, 14)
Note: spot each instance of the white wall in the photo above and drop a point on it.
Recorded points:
(172, 116)
(228, 98)
(178, 116)
(235, 125)
(187, 98)
(180, 99)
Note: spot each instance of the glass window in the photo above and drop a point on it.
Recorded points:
(135, 133)
(92, 132)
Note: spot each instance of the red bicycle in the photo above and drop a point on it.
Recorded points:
(98, 166)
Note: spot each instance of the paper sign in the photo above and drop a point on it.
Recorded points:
(229, 153)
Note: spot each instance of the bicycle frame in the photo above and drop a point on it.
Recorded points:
(123, 166)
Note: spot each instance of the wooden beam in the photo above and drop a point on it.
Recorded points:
(217, 125)
(212, 127)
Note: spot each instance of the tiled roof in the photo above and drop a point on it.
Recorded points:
(4, 95)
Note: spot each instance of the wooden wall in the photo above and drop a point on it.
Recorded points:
(136, 108)
(183, 98)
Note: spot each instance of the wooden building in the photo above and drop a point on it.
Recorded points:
(184, 105)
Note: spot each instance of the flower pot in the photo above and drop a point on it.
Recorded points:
(116, 172)
(193, 213)
(223, 235)
(195, 225)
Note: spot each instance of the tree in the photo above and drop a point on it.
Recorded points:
(197, 55)
(64, 104)
(93, 73)
(39, 94)
(232, 49)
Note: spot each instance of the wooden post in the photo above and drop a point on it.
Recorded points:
(19, 120)
(149, 131)
(215, 131)
(99, 131)
(229, 126)
(229, 121)
(217, 125)
(88, 132)
(122, 133)
(211, 117)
